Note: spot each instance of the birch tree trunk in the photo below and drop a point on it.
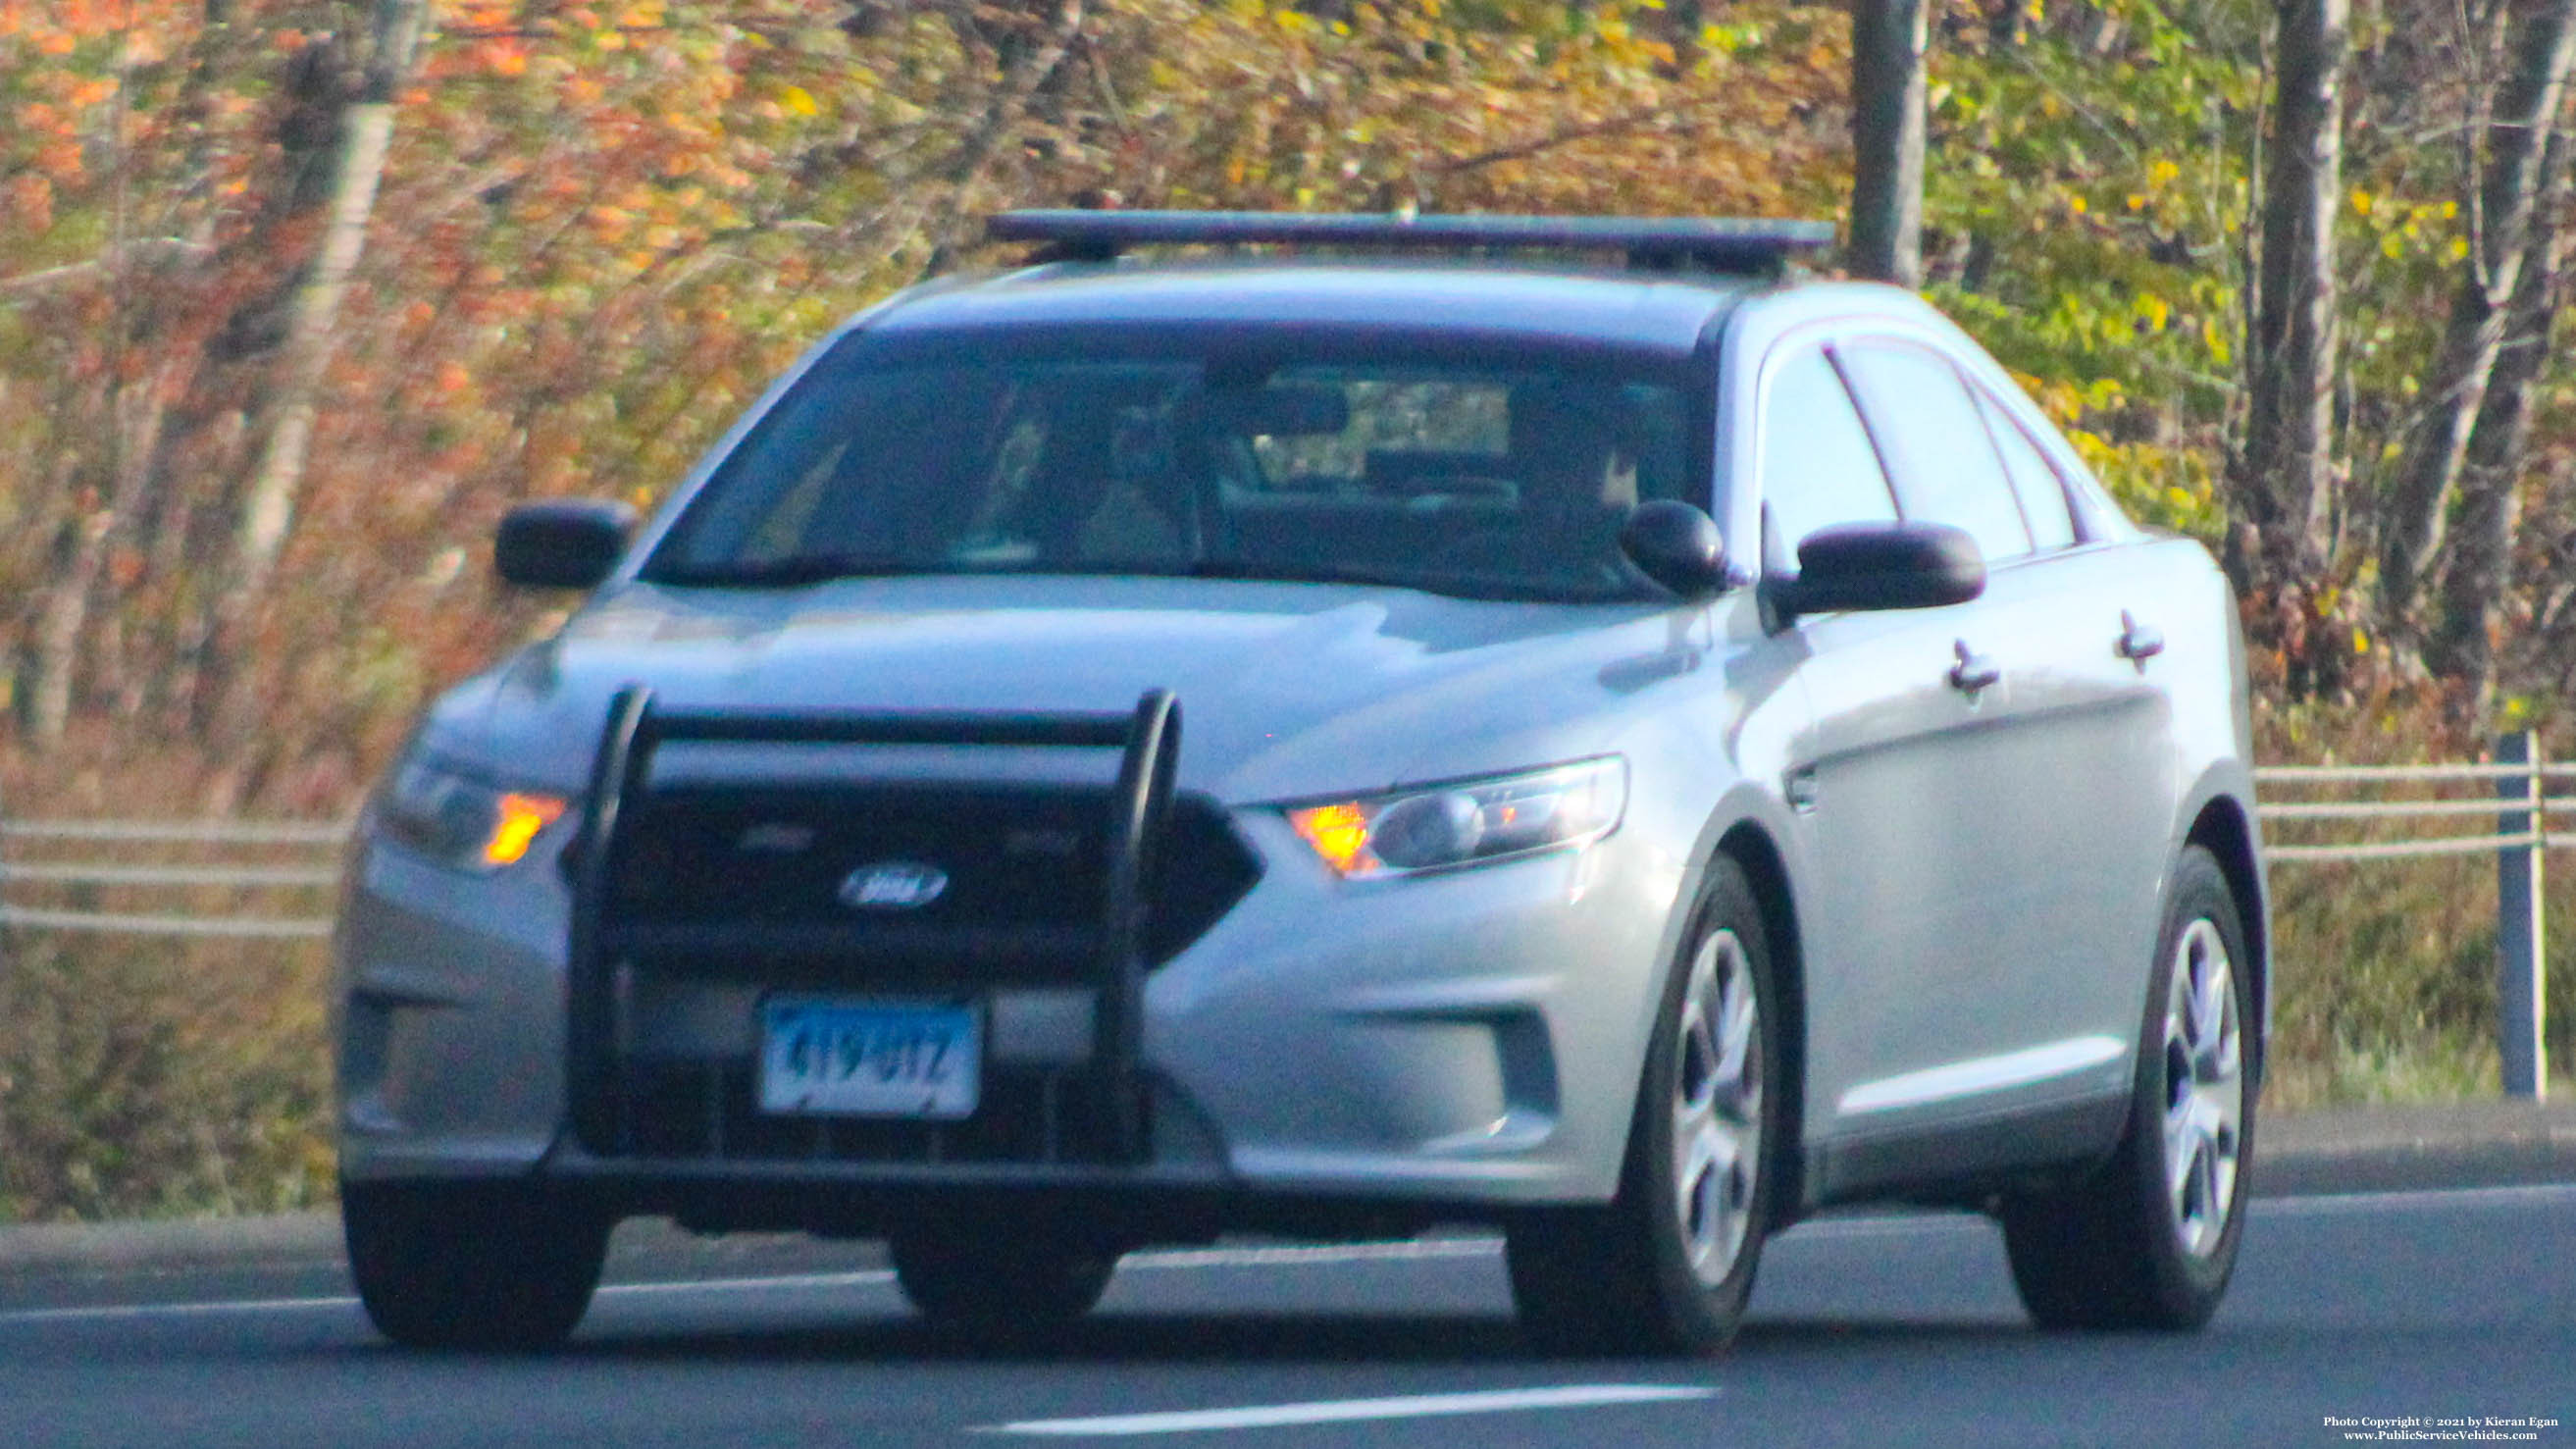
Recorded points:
(2285, 474)
(2480, 571)
(366, 134)
(1888, 41)
(2543, 36)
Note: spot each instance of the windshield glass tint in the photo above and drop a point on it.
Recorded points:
(1459, 475)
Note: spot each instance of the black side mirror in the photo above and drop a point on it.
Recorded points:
(562, 543)
(1880, 566)
(1677, 546)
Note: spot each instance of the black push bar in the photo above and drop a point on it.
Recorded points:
(1148, 739)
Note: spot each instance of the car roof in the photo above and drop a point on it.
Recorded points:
(1654, 312)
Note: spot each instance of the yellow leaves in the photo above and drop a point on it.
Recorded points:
(2154, 311)
(2362, 201)
(2360, 641)
(2162, 173)
(798, 101)
(2076, 205)
(2137, 201)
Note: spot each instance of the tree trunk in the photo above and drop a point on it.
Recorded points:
(366, 134)
(2285, 474)
(1888, 40)
(2480, 571)
(2509, 184)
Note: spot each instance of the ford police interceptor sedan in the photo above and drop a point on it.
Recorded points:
(1351, 724)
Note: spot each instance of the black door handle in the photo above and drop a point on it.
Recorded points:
(1974, 671)
(2137, 642)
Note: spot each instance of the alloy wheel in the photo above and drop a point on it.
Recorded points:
(1717, 1107)
(2204, 1088)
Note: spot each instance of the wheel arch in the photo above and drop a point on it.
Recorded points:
(2225, 828)
(1755, 853)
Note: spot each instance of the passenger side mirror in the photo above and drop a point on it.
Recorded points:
(1677, 546)
(562, 543)
(1879, 566)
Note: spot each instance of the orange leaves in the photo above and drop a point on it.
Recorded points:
(30, 201)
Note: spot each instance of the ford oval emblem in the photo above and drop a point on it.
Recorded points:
(893, 885)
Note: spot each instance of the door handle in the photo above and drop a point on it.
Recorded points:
(1974, 671)
(2137, 642)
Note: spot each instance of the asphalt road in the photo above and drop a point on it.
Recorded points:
(2438, 1303)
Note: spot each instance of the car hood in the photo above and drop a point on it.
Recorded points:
(1286, 690)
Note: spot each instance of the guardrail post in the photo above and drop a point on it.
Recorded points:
(2519, 922)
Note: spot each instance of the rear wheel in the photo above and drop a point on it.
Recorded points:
(481, 1266)
(2150, 1240)
(1667, 1265)
(998, 1284)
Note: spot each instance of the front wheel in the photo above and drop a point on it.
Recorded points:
(475, 1266)
(1667, 1265)
(2150, 1241)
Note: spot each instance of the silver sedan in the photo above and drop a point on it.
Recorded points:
(1669, 747)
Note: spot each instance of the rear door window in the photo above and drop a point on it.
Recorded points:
(1938, 452)
(2034, 479)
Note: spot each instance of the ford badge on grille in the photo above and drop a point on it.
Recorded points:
(893, 885)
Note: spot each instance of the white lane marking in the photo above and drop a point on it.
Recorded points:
(107, 1311)
(1343, 1411)
(2538, 1194)
(1318, 1253)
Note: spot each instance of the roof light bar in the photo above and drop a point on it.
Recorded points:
(1713, 244)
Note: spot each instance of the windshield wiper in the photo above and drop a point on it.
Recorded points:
(1301, 573)
(781, 573)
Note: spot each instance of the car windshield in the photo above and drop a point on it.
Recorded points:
(1485, 473)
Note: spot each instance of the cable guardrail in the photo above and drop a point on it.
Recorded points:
(311, 848)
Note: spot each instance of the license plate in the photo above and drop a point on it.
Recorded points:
(861, 1057)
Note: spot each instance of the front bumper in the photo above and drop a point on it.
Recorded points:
(1462, 1041)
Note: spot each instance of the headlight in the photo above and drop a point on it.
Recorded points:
(1468, 823)
(461, 821)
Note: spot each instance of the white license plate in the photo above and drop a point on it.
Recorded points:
(864, 1057)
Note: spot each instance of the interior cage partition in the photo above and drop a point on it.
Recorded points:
(1147, 737)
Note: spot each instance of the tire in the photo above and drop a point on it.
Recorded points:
(2149, 1241)
(1666, 1266)
(485, 1266)
(999, 1286)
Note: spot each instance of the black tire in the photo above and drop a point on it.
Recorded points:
(1000, 1285)
(481, 1266)
(1643, 1275)
(2124, 1249)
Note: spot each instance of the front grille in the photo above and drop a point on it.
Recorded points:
(753, 877)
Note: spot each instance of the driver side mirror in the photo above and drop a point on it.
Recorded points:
(1879, 566)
